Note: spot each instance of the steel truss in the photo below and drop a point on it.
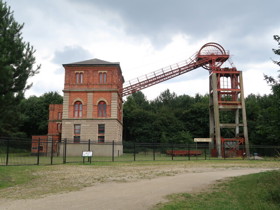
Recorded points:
(225, 90)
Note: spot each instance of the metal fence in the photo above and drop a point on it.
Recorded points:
(44, 152)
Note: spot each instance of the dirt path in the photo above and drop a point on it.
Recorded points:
(141, 194)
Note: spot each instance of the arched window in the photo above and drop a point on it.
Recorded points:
(78, 109)
(102, 77)
(102, 109)
(79, 78)
(105, 78)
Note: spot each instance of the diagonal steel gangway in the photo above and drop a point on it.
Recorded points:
(223, 96)
(204, 58)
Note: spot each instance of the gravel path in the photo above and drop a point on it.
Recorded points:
(137, 195)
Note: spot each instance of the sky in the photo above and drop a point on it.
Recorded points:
(148, 35)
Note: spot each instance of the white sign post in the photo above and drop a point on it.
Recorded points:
(208, 140)
(202, 139)
(87, 154)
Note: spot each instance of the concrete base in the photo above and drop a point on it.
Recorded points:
(73, 149)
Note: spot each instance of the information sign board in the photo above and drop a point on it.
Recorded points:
(202, 139)
(87, 153)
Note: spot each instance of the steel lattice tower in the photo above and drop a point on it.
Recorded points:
(227, 111)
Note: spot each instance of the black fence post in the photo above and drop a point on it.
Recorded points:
(172, 155)
(7, 154)
(205, 153)
(38, 151)
(224, 152)
(89, 145)
(186, 148)
(64, 151)
(52, 153)
(189, 156)
(113, 151)
(154, 151)
(134, 151)
(89, 158)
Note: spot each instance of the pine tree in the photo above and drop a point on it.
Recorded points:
(16, 66)
(274, 120)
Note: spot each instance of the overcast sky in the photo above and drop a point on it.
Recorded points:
(147, 35)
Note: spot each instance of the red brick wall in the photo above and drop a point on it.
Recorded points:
(91, 77)
(99, 96)
(77, 96)
(91, 82)
(43, 144)
(55, 119)
(44, 147)
(54, 109)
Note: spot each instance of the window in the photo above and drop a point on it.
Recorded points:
(101, 128)
(77, 132)
(41, 148)
(76, 139)
(101, 139)
(102, 107)
(79, 77)
(102, 77)
(101, 133)
(58, 127)
(59, 115)
(77, 129)
(78, 109)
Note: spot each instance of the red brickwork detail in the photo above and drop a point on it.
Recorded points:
(44, 147)
(101, 96)
(91, 82)
(55, 119)
(35, 144)
(91, 77)
(77, 96)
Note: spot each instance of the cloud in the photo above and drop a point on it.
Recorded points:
(197, 18)
(146, 35)
(70, 54)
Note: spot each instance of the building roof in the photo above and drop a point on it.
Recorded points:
(94, 61)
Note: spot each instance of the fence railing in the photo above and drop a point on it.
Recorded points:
(43, 152)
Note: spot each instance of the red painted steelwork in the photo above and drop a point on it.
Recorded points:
(211, 56)
(231, 147)
(216, 55)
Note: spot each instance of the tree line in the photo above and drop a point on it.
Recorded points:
(178, 119)
(167, 119)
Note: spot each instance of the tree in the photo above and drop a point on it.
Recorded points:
(195, 116)
(136, 118)
(16, 66)
(274, 109)
(35, 113)
(167, 119)
(276, 95)
(275, 82)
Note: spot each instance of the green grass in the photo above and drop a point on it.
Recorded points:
(27, 159)
(15, 175)
(30, 181)
(255, 191)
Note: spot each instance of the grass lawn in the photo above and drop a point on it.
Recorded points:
(255, 191)
(16, 175)
(32, 181)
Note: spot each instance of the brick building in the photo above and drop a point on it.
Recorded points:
(91, 109)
